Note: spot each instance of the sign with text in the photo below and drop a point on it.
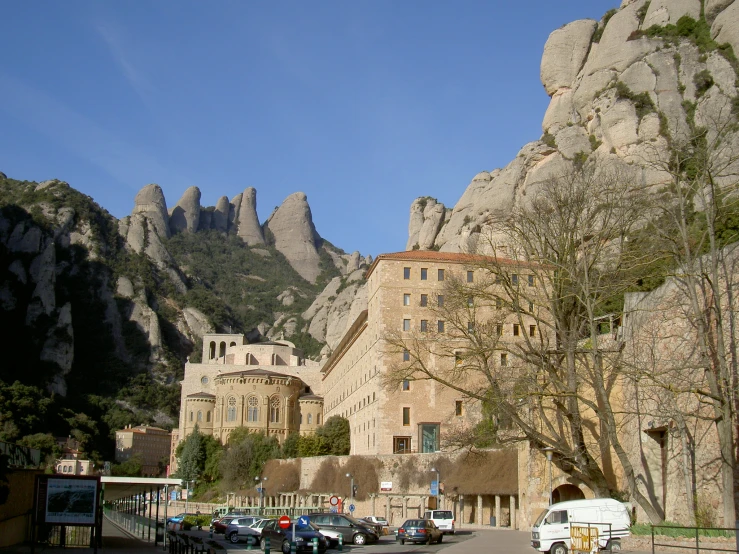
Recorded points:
(386, 486)
(583, 538)
(71, 501)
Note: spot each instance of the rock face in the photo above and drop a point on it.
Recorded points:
(295, 236)
(185, 216)
(150, 203)
(220, 215)
(248, 223)
(616, 94)
(427, 216)
(565, 53)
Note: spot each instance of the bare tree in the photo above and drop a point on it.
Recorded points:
(558, 265)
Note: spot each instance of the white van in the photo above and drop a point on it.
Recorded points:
(444, 520)
(551, 532)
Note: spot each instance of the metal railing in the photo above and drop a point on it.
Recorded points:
(65, 536)
(138, 525)
(696, 535)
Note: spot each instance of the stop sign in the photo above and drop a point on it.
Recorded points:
(284, 522)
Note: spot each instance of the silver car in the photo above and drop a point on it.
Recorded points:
(240, 529)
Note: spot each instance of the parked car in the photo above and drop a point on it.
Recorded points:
(240, 528)
(280, 538)
(332, 537)
(352, 530)
(220, 525)
(179, 518)
(419, 530)
(443, 519)
(379, 523)
(219, 514)
(259, 524)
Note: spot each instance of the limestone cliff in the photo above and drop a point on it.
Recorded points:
(620, 89)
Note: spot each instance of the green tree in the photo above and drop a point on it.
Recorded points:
(313, 445)
(44, 442)
(245, 457)
(335, 431)
(290, 448)
(191, 456)
(129, 468)
(213, 453)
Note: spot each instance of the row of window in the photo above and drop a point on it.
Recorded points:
(440, 326)
(440, 274)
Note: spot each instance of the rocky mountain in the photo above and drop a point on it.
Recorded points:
(621, 89)
(102, 313)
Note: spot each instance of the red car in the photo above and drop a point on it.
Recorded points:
(219, 525)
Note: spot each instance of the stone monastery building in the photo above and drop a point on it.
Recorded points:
(270, 387)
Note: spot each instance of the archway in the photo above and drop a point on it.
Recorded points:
(567, 492)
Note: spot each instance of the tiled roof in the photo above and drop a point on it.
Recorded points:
(201, 395)
(254, 373)
(444, 257)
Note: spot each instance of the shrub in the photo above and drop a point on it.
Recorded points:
(702, 81)
(548, 139)
(602, 26)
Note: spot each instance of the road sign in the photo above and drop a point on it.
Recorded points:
(434, 488)
(259, 489)
(303, 521)
(351, 508)
(284, 522)
(334, 500)
(334, 510)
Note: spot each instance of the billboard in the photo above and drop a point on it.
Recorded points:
(71, 501)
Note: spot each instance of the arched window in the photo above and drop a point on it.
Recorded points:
(212, 350)
(200, 416)
(207, 416)
(231, 416)
(301, 419)
(310, 419)
(232, 344)
(318, 419)
(190, 416)
(274, 410)
(252, 409)
(222, 350)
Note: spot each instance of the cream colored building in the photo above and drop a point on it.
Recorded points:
(405, 290)
(268, 387)
(151, 444)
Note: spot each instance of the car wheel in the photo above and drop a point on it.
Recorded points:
(401, 541)
(263, 544)
(234, 537)
(428, 540)
(360, 538)
(286, 547)
(441, 537)
(558, 548)
(614, 546)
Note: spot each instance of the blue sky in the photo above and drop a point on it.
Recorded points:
(364, 106)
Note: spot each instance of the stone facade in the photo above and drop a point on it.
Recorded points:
(151, 444)
(267, 386)
(402, 289)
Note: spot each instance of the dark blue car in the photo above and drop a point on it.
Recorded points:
(304, 535)
(419, 530)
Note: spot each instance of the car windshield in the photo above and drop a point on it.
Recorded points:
(414, 523)
(355, 521)
(541, 517)
(443, 514)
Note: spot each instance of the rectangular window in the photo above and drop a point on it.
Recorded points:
(457, 358)
(531, 306)
(406, 300)
(516, 329)
(406, 356)
(470, 301)
(406, 273)
(470, 276)
(424, 300)
(406, 325)
(440, 326)
(429, 437)
(440, 275)
(406, 385)
(470, 326)
(406, 416)
(497, 279)
(499, 329)
(503, 359)
(532, 330)
(424, 274)
(514, 280)
(401, 445)
(498, 303)
(458, 408)
(424, 325)
(532, 280)
(440, 300)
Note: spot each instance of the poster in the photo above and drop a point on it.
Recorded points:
(71, 501)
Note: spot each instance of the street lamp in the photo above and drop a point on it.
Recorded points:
(549, 451)
(438, 488)
(351, 491)
(187, 488)
(260, 487)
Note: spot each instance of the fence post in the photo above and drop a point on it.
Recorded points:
(697, 545)
(652, 526)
